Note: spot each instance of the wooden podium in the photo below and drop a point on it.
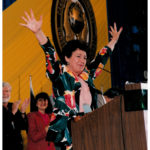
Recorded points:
(110, 128)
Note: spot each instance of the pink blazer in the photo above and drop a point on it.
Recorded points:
(37, 133)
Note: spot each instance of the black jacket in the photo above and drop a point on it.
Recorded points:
(12, 126)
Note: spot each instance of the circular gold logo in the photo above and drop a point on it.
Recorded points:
(73, 19)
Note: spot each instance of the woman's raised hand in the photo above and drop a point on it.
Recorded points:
(115, 36)
(35, 26)
(114, 33)
(31, 23)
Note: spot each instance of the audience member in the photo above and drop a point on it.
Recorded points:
(38, 123)
(14, 120)
(108, 96)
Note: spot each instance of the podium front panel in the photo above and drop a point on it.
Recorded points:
(110, 128)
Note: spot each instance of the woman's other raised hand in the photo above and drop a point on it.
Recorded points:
(114, 35)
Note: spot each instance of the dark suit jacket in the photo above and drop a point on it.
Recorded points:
(12, 126)
(37, 133)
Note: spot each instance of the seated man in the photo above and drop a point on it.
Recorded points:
(14, 120)
(107, 96)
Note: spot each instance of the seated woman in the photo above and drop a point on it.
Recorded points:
(38, 123)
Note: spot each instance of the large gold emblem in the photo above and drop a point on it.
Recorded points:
(73, 19)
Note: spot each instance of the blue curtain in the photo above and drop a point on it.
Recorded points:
(7, 3)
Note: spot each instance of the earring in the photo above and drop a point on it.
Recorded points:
(68, 63)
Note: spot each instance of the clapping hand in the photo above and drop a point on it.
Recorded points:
(46, 128)
(15, 106)
(25, 105)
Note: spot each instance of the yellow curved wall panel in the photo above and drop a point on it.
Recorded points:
(22, 55)
(102, 82)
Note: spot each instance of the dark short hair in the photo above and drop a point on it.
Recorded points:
(112, 92)
(44, 96)
(71, 46)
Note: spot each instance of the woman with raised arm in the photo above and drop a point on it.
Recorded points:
(73, 88)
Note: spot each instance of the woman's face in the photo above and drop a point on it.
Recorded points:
(77, 61)
(42, 104)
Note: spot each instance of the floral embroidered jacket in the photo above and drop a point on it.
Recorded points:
(66, 91)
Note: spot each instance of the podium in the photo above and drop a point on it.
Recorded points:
(110, 128)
